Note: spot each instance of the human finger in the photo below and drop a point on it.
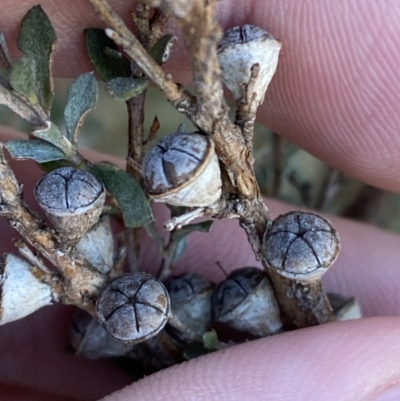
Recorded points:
(337, 86)
(338, 361)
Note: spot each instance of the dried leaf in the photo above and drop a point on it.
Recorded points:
(179, 235)
(23, 78)
(39, 151)
(103, 54)
(162, 49)
(37, 38)
(53, 135)
(82, 97)
(123, 89)
(130, 196)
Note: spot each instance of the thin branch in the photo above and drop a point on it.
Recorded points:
(247, 109)
(25, 251)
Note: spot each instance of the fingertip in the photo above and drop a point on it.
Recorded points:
(338, 361)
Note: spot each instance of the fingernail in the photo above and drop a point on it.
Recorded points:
(390, 394)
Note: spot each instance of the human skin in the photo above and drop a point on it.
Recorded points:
(336, 94)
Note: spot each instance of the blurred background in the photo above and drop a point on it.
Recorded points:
(284, 171)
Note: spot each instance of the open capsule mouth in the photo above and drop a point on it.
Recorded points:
(160, 191)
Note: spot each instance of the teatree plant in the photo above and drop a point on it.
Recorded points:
(73, 256)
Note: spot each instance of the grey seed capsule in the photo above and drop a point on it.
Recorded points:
(301, 245)
(88, 337)
(344, 308)
(97, 245)
(134, 307)
(240, 49)
(21, 293)
(183, 170)
(190, 296)
(72, 200)
(245, 301)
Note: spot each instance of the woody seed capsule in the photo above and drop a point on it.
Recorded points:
(21, 293)
(72, 200)
(134, 307)
(183, 170)
(241, 48)
(245, 301)
(190, 296)
(97, 246)
(90, 338)
(301, 246)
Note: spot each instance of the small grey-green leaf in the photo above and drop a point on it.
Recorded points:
(39, 151)
(23, 78)
(123, 89)
(53, 135)
(210, 340)
(203, 226)
(37, 38)
(82, 97)
(130, 196)
(108, 64)
(162, 49)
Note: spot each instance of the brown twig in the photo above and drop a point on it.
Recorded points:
(135, 154)
(150, 31)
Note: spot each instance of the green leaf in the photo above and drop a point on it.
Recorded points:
(162, 49)
(210, 340)
(130, 196)
(123, 89)
(82, 97)
(179, 235)
(52, 134)
(54, 164)
(23, 78)
(103, 54)
(37, 150)
(37, 38)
